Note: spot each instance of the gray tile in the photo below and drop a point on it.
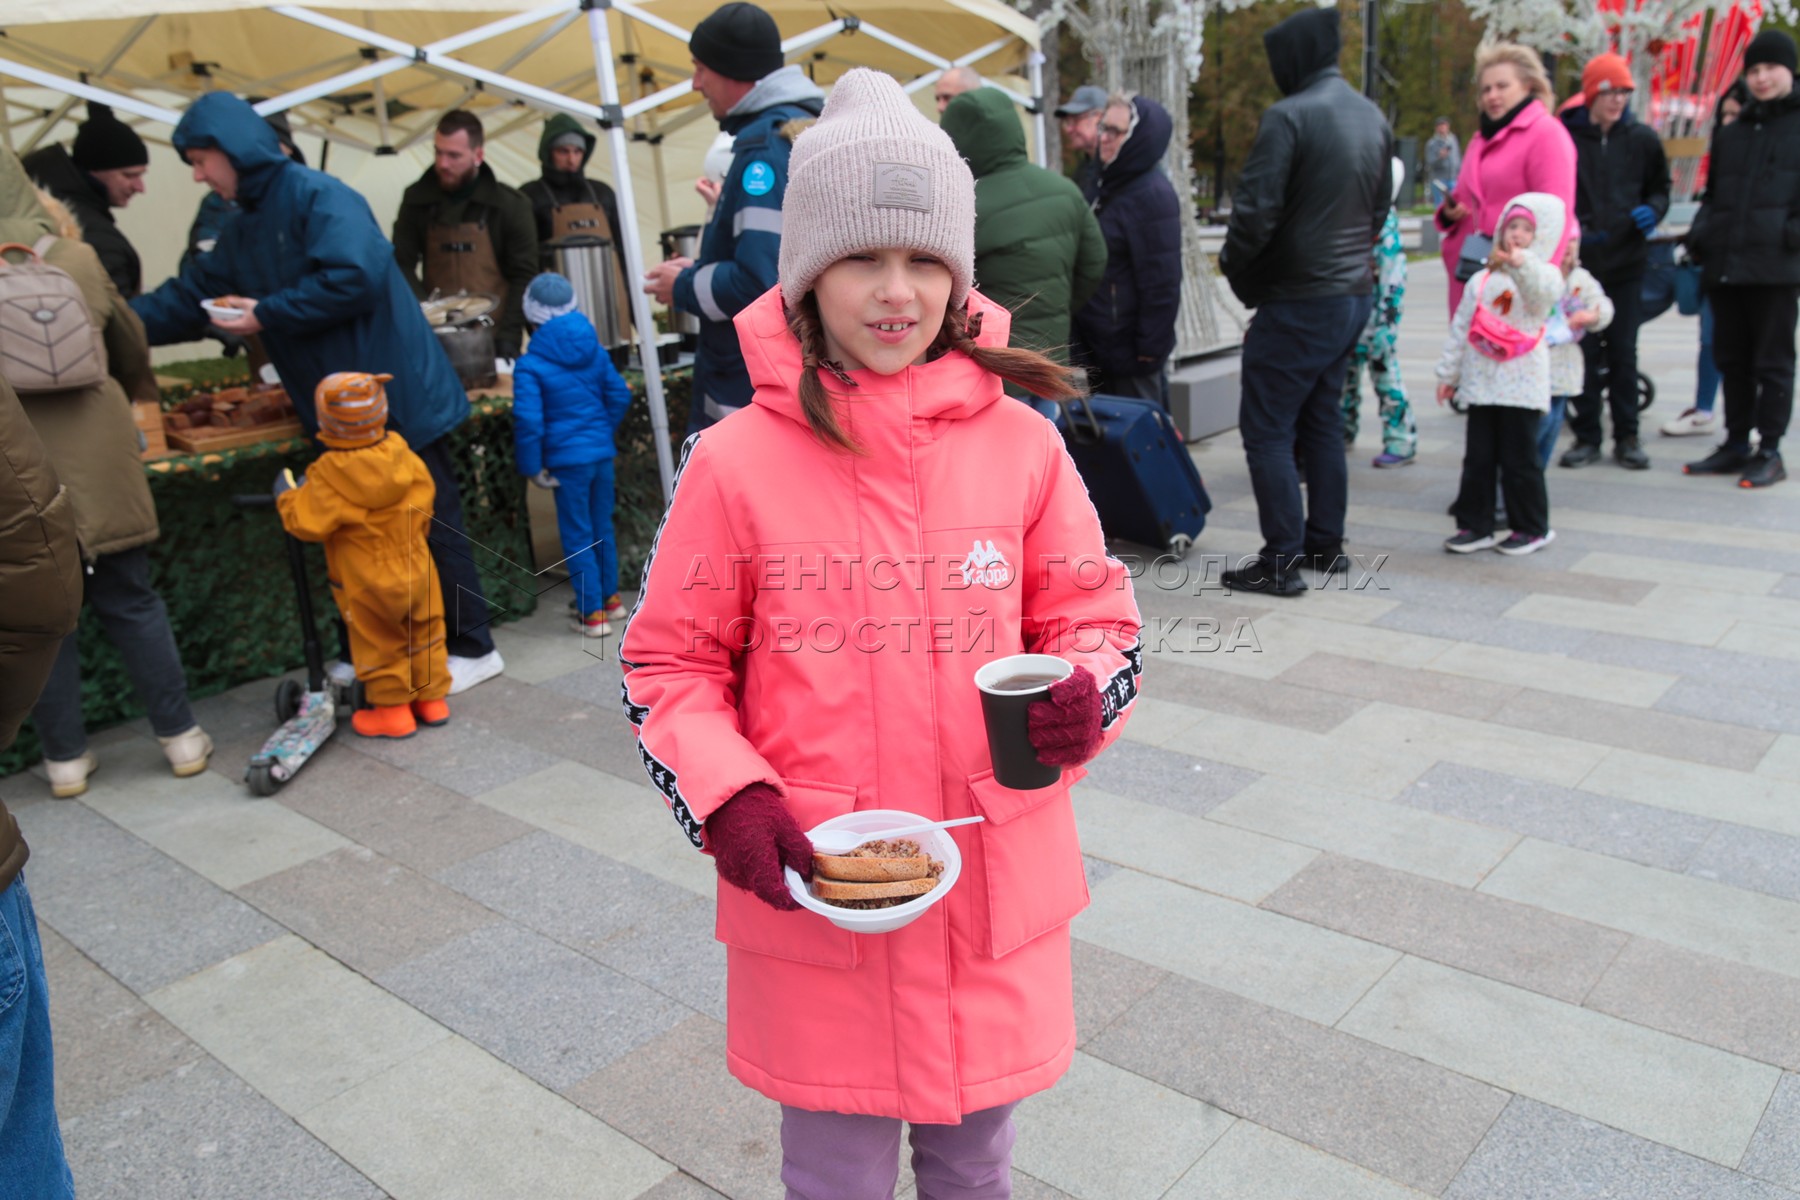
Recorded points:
(554, 1014)
(1257, 699)
(568, 892)
(1536, 1152)
(1789, 586)
(1656, 837)
(1727, 669)
(1681, 552)
(1167, 778)
(365, 910)
(107, 1041)
(200, 1133)
(1739, 1008)
(1515, 943)
(1433, 690)
(681, 1186)
(1734, 705)
(1774, 1152)
(74, 849)
(556, 723)
(468, 756)
(675, 1097)
(1024, 1187)
(1096, 869)
(1106, 985)
(1751, 858)
(673, 951)
(596, 686)
(1510, 633)
(1648, 731)
(395, 813)
(1387, 1111)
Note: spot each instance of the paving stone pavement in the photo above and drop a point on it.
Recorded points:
(1460, 877)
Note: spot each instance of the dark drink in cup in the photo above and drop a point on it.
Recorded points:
(1009, 687)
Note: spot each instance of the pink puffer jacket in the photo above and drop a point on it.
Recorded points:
(861, 594)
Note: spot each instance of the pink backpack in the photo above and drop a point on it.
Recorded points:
(1494, 337)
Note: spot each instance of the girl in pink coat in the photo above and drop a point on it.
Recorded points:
(839, 558)
(1522, 147)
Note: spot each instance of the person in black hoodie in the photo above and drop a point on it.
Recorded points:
(1125, 333)
(1746, 238)
(101, 171)
(1621, 193)
(1305, 217)
(567, 203)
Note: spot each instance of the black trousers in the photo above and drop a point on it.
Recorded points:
(1613, 351)
(466, 616)
(1503, 441)
(1753, 347)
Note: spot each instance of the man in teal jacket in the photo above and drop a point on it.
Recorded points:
(306, 261)
(1038, 248)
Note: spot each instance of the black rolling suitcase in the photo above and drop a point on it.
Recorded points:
(1138, 472)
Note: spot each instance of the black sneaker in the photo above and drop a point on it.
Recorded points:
(1764, 470)
(1726, 460)
(1580, 455)
(1327, 561)
(1628, 454)
(1526, 543)
(1467, 541)
(1256, 575)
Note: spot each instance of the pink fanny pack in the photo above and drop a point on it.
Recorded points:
(1494, 337)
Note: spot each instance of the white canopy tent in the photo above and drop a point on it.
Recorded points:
(370, 83)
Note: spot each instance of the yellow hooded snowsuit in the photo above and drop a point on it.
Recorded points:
(371, 507)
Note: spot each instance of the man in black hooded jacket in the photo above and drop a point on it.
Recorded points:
(1308, 209)
(101, 171)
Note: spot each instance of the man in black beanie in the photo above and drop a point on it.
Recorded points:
(102, 171)
(738, 68)
(1746, 238)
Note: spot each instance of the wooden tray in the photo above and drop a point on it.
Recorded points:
(147, 416)
(208, 438)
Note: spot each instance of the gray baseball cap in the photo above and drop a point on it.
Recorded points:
(1086, 99)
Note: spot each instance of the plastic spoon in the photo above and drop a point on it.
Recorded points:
(842, 841)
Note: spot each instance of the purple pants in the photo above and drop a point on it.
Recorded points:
(843, 1156)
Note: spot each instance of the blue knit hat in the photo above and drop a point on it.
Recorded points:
(549, 296)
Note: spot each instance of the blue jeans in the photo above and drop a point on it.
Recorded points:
(1295, 354)
(32, 1163)
(1551, 428)
(584, 518)
(1706, 390)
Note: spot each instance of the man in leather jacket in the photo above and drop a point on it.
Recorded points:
(1308, 209)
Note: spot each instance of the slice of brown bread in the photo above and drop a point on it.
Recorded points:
(837, 889)
(860, 868)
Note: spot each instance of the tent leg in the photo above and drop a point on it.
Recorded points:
(1043, 104)
(634, 256)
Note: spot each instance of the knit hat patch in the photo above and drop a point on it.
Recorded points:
(352, 409)
(548, 297)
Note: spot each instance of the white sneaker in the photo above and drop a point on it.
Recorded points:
(187, 752)
(465, 673)
(1691, 423)
(69, 777)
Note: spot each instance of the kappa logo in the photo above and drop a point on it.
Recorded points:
(987, 566)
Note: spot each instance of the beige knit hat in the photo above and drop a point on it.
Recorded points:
(873, 172)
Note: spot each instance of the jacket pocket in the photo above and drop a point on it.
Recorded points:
(748, 924)
(1031, 870)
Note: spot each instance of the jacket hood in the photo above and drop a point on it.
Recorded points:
(949, 388)
(222, 121)
(568, 341)
(22, 218)
(375, 476)
(786, 86)
(1552, 223)
(1144, 148)
(985, 130)
(1578, 119)
(554, 128)
(1302, 46)
(67, 224)
(53, 168)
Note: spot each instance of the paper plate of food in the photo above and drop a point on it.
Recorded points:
(879, 885)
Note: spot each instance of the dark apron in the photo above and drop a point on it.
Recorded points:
(461, 258)
(590, 220)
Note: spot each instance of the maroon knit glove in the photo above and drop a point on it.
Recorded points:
(752, 837)
(1065, 729)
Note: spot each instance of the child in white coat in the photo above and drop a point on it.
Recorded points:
(1584, 307)
(1495, 361)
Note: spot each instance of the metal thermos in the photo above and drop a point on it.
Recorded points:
(683, 242)
(587, 263)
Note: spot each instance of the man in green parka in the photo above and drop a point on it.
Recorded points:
(1038, 248)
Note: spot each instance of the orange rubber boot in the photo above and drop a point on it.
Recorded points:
(431, 712)
(384, 720)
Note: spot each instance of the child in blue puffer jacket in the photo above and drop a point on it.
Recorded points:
(567, 401)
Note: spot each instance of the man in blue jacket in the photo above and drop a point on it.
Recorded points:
(308, 265)
(738, 69)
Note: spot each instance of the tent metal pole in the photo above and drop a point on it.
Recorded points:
(904, 46)
(111, 61)
(87, 91)
(626, 9)
(634, 255)
(5, 121)
(1039, 104)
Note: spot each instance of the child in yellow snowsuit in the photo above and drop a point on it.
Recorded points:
(369, 500)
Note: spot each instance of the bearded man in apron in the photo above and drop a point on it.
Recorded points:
(566, 203)
(471, 232)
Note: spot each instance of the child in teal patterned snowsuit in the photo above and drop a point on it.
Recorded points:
(1376, 348)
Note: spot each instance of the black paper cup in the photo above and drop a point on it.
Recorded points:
(1016, 764)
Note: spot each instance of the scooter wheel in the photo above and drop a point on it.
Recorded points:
(289, 694)
(1646, 392)
(262, 781)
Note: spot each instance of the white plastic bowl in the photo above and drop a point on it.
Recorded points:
(937, 843)
(221, 312)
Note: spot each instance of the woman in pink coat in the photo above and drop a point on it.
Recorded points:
(1522, 147)
(838, 559)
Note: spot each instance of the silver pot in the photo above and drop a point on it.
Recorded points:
(682, 242)
(587, 263)
(466, 332)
